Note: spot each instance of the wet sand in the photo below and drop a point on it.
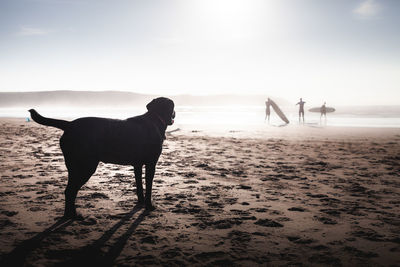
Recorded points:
(312, 197)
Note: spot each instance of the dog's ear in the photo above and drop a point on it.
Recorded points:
(151, 106)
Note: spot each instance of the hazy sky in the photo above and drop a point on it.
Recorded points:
(339, 51)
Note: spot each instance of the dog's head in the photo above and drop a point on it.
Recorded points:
(164, 108)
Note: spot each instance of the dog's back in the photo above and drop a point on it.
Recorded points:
(126, 142)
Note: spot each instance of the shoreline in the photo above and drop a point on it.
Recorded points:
(263, 130)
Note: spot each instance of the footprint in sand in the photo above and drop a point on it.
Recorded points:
(150, 240)
(239, 238)
(300, 209)
(299, 240)
(359, 253)
(325, 220)
(268, 223)
(9, 213)
(5, 223)
(245, 187)
(331, 212)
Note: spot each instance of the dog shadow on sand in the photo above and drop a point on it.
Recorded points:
(90, 255)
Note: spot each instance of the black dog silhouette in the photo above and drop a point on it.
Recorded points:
(136, 141)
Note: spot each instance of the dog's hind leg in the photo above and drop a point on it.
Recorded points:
(70, 195)
(78, 174)
(139, 184)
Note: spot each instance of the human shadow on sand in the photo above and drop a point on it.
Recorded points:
(19, 254)
(92, 255)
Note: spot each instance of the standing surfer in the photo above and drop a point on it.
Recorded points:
(301, 109)
(267, 109)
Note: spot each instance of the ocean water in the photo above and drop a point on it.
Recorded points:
(231, 118)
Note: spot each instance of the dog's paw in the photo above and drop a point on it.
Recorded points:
(70, 215)
(73, 216)
(150, 207)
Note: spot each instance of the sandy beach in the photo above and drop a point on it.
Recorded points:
(299, 196)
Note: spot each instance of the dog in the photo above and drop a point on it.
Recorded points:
(136, 141)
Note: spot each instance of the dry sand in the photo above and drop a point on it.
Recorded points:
(297, 196)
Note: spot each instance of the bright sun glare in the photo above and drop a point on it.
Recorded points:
(230, 19)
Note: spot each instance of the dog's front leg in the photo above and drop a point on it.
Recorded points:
(139, 185)
(150, 170)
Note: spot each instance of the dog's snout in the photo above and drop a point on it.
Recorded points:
(173, 114)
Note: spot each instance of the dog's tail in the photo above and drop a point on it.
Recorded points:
(60, 124)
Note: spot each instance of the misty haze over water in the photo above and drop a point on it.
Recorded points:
(229, 112)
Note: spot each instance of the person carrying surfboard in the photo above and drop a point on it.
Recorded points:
(301, 109)
(277, 110)
(323, 110)
(267, 109)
